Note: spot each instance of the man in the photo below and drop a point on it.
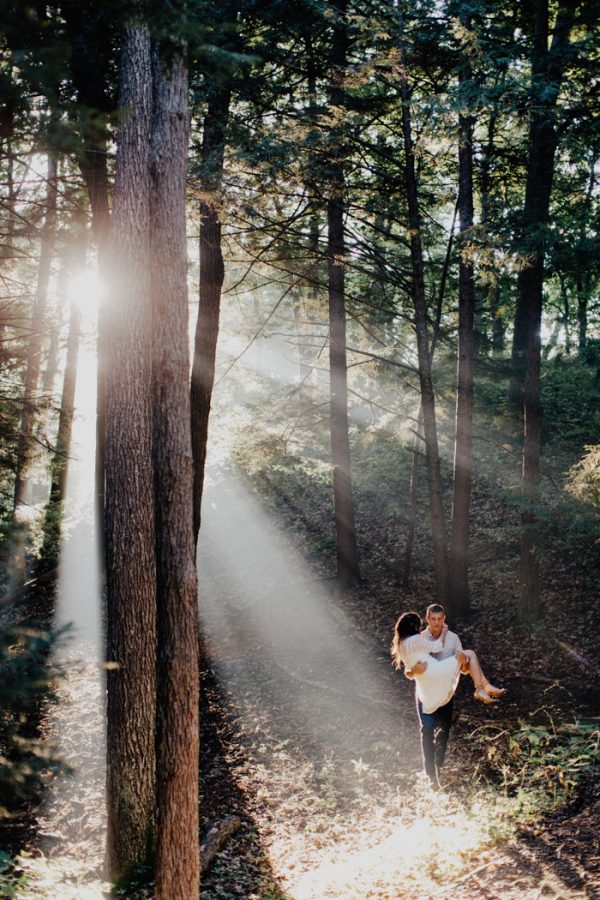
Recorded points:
(435, 726)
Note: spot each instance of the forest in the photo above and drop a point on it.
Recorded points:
(299, 332)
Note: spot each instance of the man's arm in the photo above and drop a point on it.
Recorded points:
(460, 654)
(417, 669)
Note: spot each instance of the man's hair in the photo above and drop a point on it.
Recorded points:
(435, 608)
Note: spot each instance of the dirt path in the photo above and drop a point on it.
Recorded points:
(333, 824)
(313, 740)
(66, 857)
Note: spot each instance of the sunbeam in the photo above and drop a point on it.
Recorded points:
(72, 820)
(78, 587)
(263, 609)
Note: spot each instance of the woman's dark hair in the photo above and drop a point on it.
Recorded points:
(408, 624)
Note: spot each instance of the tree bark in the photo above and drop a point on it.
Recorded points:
(547, 71)
(485, 183)
(461, 499)
(53, 517)
(130, 550)
(90, 27)
(530, 478)
(304, 364)
(212, 274)
(315, 209)
(498, 328)
(417, 453)
(34, 352)
(51, 367)
(348, 574)
(7, 135)
(582, 313)
(425, 375)
(583, 279)
(412, 513)
(177, 856)
(566, 314)
(49, 554)
(93, 165)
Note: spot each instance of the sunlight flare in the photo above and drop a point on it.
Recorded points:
(86, 290)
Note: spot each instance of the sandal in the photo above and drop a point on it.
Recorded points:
(483, 696)
(493, 691)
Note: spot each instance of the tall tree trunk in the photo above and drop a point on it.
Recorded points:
(49, 553)
(34, 352)
(582, 313)
(498, 328)
(212, 274)
(51, 367)
(547, 66)
(417, 452)
(530, 478)
(552, 341)
(566, 315)
(90, 28)
(130, 548)
(7, 250)
(178, 849)
(583, 279)
(7, 135)
(314, 250)
(547, 71)
(461, 499)
(485, 184)
(93, 165)
(348, 574)
(436, 499)
(412, 510)
(304, 364)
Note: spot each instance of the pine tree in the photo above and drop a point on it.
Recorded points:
(130, 527)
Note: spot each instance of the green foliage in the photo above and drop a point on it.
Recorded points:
(552, 761)
(26, 687)
(11, 880)
(584, 477)
(583, 484)
(570, 398)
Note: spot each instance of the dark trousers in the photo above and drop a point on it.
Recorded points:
(435, 730)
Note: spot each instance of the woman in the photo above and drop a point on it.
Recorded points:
(437, 683)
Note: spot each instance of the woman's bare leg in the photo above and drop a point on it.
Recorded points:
(476, 672)
(474, 669)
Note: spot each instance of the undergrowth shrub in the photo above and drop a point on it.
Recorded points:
(552, 761)
(584, 478)
(27, 677)
(570, 392)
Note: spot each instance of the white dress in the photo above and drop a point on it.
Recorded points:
(437, 684)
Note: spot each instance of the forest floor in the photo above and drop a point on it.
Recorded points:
(312, 739)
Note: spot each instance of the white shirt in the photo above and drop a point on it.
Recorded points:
(450, 643)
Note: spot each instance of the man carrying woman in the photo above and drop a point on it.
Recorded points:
(435, 659)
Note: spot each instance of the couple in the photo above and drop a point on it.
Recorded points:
(436, 678)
